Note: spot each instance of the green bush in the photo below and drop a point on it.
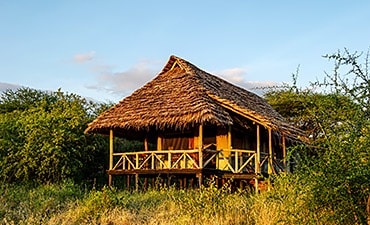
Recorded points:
(42, 137)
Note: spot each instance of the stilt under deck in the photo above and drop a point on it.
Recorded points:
(180, 178)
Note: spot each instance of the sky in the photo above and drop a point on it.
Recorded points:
(107, 49)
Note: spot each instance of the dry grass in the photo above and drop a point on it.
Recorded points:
(68, 204)
(166, 206)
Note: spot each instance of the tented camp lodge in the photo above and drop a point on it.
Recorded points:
(194, 125)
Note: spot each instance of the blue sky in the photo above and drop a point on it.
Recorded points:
(107, 49)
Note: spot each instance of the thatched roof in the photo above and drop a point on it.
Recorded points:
(182, 96)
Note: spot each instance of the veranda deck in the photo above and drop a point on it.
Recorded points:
(194, 165)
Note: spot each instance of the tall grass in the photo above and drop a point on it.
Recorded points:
(29, 204)
(68, 203)
(165, 206)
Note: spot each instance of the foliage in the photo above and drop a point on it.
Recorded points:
(334, 174)
(23, 99)
(317, 114)
(42, 137)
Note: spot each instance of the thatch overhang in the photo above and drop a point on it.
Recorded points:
(182, 96)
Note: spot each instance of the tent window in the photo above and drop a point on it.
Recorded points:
(209, 137)
(178, 143)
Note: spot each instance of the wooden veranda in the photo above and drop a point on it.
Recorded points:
(200, 163)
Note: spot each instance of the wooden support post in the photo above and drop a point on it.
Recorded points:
(181, 183)
(111, 139)
(159, 143)
(269, 166)
(146, 148)
(229, 146)
(168, 180)
(256, 184)
(284, 154)
(136, 181)
(128, 182)
(200, 179)
(145, 183)
(258, 152)
(110, 180)
(159, 147)
(229, 138)
(200, 145)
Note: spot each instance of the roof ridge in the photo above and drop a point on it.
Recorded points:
(175, 61)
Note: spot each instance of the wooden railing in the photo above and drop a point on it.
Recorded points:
(276, 165)
(165, 159)
(234, 160)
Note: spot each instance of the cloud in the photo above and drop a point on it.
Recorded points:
(7, 86)
(124, 82)
(237, 77)
(84, 57)
(234, 75)
(260, 87)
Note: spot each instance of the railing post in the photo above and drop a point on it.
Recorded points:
(153, 161)
(137, 161)
(124, 161)
(169, 160)
(236, 161)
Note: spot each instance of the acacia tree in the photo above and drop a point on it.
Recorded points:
(42, 139)
(350, 77)
(317, 114)
(334, 172)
